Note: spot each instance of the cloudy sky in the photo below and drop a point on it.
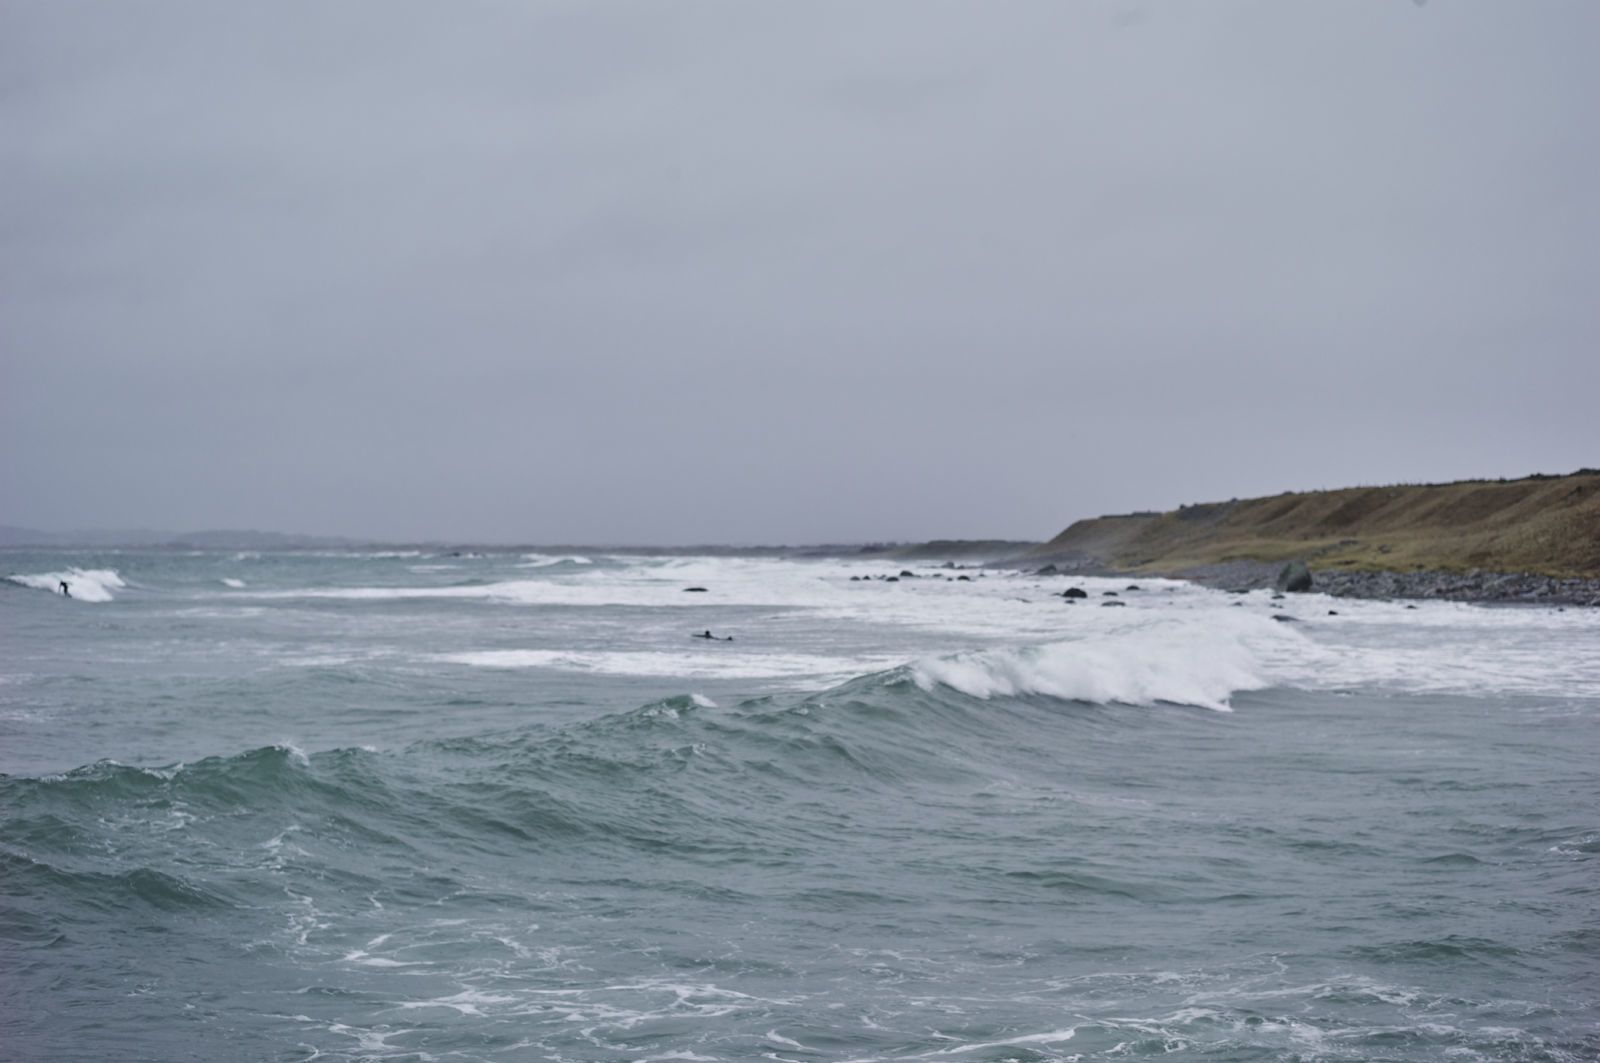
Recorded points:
(755, 272)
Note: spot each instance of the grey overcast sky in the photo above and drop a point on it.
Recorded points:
(782, 272)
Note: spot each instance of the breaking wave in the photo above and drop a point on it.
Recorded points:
(1182, 663)
(84, 584)
(547, 560)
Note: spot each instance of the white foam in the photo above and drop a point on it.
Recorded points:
(1171, 659)
(85, 584)
(816, 613)
(1053, 1037)
(683, 665)
(467, 1002)
(1441, 647)
(702, 701)
(236, 584)
(546, 560)
(654, 583)
(322, 660)
(297, 756)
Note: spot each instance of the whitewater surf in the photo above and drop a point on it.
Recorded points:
(412, 804)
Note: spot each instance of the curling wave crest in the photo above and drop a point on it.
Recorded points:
(1167, 661)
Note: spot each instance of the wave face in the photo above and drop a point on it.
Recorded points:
(917, 820)
(84, 585)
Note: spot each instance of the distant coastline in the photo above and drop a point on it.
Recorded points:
(1532, 539)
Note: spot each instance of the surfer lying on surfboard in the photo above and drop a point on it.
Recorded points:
(713, 638)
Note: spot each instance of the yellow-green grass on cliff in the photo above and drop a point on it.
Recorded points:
(1548, 525)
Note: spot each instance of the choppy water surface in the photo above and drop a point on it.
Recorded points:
(410, 806)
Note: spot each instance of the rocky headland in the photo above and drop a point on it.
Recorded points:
(1535, 539)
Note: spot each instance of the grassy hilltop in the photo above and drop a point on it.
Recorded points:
(1548, 525)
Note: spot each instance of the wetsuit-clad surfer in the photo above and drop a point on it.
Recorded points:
(66, 591)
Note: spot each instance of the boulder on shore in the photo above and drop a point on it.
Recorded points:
(1074, 592)
(1295, 577)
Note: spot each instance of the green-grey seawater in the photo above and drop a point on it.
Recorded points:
(409, 805)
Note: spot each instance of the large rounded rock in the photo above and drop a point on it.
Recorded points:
(1295, 577)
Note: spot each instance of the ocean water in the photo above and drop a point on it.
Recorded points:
(412, 806)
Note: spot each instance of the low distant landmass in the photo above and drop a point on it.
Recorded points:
(1534, 538)
(13, 536)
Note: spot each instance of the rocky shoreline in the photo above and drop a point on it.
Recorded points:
(1474, 586)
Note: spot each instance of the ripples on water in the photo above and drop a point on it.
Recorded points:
(536, 858)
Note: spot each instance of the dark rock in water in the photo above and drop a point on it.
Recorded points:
(891, 579)
(854, 578)
(1277, 596)
(1074, 592)
(964, 579)
(1108, 594)
(1105, 604)
(906, 573)
(701, 590)
(1410, 607)
(1237, 604)
(1048, 570)
(1131, 587)
(1284, 618)
(1295, 577)
(1072, 601)
(1333, 612)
